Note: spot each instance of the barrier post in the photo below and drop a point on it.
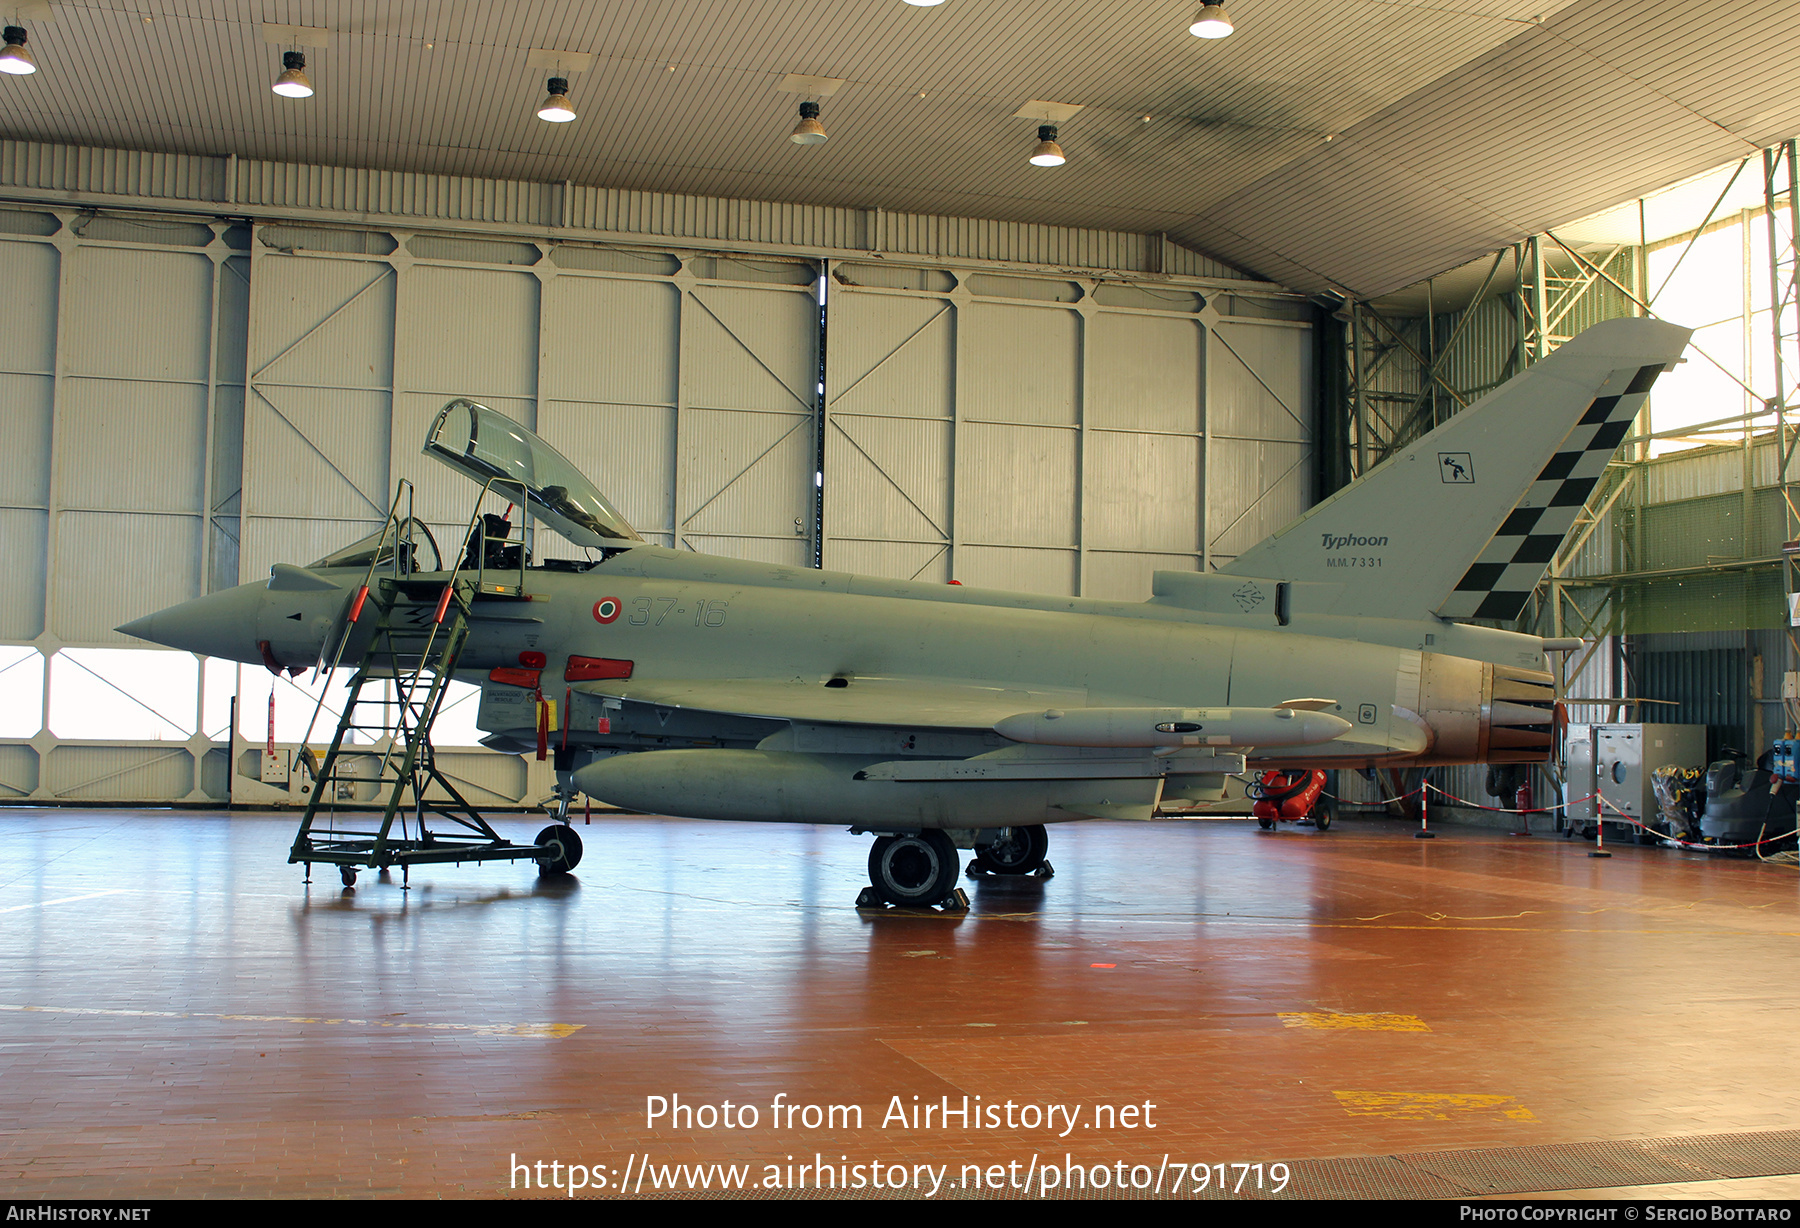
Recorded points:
(1424, 832)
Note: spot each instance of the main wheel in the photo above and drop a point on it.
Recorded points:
(565, 847)
(1018, 850)
(913, 871)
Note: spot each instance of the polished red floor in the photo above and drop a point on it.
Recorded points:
(181, 1016)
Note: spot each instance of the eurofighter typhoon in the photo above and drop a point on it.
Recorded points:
(935, 717)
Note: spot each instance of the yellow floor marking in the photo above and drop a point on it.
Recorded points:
(1429, 1106)
(1444, 916)
(530, 1031)
(1343, 1021)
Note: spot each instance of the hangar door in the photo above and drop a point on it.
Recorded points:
(1058, 435)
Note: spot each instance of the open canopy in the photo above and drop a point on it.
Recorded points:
(484, 444)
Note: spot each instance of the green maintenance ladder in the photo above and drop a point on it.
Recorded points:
(409, 631)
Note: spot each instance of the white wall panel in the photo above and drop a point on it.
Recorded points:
(868, 332)
(1021, 364)
(27, 394)
(139, 314)
(116, 773)
(313, 449)
(110, 568)
(18, 771)
(1146, 372)
(143, 446)
(890, 479)
(1260, 455)
(1143, 492)
(319, 415)
(1015, 484)
(469, 332)
(25, 415)
(610, 340)
(28, 342)
(22, 596)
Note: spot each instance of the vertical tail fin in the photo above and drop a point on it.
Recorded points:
(1464, 521)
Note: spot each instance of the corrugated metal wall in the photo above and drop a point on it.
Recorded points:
(1054, 434)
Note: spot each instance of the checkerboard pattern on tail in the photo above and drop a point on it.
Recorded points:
(1500, 580)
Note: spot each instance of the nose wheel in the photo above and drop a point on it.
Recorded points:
(562, 850)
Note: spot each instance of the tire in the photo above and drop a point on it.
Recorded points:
(1321, 816)
(567, 849)
(1265, 824)
(1019, 850)
(913, 871)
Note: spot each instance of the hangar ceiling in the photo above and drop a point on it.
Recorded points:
(1347, 147)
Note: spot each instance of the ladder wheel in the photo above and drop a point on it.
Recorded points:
(565, 849)
(348, 874)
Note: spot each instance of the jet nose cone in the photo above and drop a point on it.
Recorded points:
(143, 628)
(216, 625)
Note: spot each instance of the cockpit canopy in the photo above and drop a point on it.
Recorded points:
(484, 444)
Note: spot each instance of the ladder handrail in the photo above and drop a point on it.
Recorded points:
(403, 490)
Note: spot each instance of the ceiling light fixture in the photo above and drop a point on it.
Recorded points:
(809, 131)
(924, 4)
(1211, 22)
(556, 108)
(293, 82)
(16, 59)
(1048, 152)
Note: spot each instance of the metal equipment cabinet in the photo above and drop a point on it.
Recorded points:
(1615, 761)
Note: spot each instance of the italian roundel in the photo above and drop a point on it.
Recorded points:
(606, 609)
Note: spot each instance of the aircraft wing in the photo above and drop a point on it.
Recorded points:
(890, 702)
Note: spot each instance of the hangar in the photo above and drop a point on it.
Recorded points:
(1265, 263)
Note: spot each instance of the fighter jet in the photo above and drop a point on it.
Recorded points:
(939, 718)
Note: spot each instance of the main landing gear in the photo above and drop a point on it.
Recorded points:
(1015, 851)
(919, 869)
(913, 871)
